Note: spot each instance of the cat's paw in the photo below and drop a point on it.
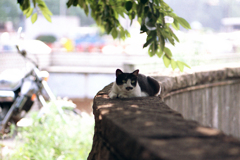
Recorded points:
(123, 96)
(112, 95)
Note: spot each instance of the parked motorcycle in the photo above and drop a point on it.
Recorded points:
(17, 94)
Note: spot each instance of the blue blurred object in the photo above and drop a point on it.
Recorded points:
(89, 43)
(8, 48)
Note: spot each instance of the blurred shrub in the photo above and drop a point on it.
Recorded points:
(55, 138)
(47, 38)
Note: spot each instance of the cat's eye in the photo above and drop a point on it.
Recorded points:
(123, 81)
(133, 81)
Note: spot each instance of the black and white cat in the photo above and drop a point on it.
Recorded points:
(133, 84)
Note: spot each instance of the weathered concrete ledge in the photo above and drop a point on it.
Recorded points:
(198, 77)
(147, 129)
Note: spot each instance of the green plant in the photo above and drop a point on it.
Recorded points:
(47, 38)
(55, 138)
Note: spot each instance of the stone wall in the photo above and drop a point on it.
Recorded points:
(147, 128)
(211, 97)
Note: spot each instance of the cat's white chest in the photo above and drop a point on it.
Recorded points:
(121, 92)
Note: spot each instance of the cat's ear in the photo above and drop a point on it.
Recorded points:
(118, 72)
(135, 73)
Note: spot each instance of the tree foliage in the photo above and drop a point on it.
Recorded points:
(151, 14)
(33, 8)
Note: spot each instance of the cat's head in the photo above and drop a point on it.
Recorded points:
(126, 81)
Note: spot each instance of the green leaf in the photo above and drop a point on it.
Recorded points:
(115, 14)
(81, 3)
(166, 60)
(20, 2)
(173, 64)
(26, 11)
(183, 22)
(162, 43)
(41, 3)
(165, 33)
(144, 1)
(161, 39)
(86, 10)
(164, 4)
(128, 5)
(175, 37)
(146, 10)
(29, 13)
(186, 65)
(139, 9)
(127, 33)
(69, 3)
(149, 41)
(143, 28)
(122, 14)
(114, 33)
(25, 5)
(180, 65)
(151, 50)
(46, 11)
(34, 17)
(159, 53)
(168, 52)
(75, 3)
(122, 33)
(175, 25)
(48, 18)
(152, 34)
(173, 34)
(34, 3)
(173, 15)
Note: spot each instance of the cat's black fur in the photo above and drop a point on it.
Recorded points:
(145, 82)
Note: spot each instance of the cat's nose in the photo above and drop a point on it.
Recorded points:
(129, 88)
